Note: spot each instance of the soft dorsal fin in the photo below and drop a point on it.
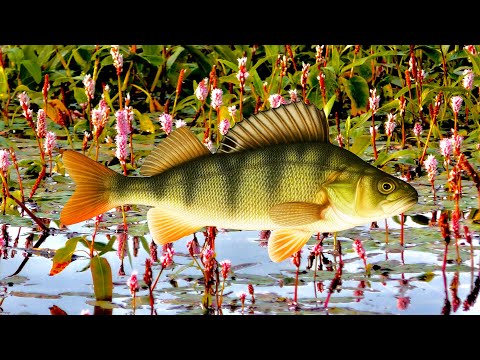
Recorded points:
(295, 122)
(180, 146)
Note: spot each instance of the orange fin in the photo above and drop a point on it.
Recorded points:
(297, 213)
(180, 146)
(166, 227)
(92, 191)
(283, 243)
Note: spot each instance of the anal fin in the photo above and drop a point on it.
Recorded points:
(166, 226)
(283, 243)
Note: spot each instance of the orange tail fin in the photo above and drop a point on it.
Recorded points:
(93, 186)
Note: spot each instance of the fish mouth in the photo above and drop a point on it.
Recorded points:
(400, 205)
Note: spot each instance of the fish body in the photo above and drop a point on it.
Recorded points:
(275, 171)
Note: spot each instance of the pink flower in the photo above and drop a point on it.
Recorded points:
(374, 100)
(276, 100)
(201, 91)
(242, 296)
(445, 148)
(2, 240)
(24, 100)
(339, 138)
(305, 72)
(122, 126)
(207, 255)
(232, 110)
(117, 58)
(371, 129)
(41, 123)
(293, 95)
(456, 141)
(167, 258)
(180, 123)
(224, 126)
(89, 84)
(403, 302)
(242, 74)
(166, 122)
(4, 163)
(417, 129)
(121, 150)
(296, 258)
(317, 249)
(430, 164)
(390, 124)
(132, 282)
(153, 251)
(468, 76)
(193, 247)
(226, 266)
(50, 142)
(456, 103)
(121, 245)
(359, 249)
(85, 312)
(216, 98)
(471, 49)
(318, 53)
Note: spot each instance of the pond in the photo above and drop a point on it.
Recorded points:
(398, 279)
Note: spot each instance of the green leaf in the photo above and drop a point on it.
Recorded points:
(328, 106)
(3, 84)
(151, 49)
(79, 95)
(63, 256)
(198, 56)
(102, 278)
(358, 92)
(383, 158)
(144, 121)
(360, 144)
(33, 69)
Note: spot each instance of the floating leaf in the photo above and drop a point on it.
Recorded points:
(102, 278)
(63, 256)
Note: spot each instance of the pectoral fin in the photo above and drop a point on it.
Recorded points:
(283, 243)
(294, 214)
(166, 227)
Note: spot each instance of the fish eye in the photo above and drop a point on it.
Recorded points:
(386, 186)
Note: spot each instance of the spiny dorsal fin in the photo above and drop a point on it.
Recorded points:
(295, 122)
(180, 146)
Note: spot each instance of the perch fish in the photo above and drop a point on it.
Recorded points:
(276, 170)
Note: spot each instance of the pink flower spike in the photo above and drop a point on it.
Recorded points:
(456, 103)
(166, 122)
(50, 142)
(242, 296)
(359, 249)
(417, 129)
(41, 123)
(180, 123)
(122, 126)
(132, 282)
(89, 84)
(445, 147)
(117, 58)
(121, 150)
(456, 141)
(468, 76)
(293, 95)
(471, 49)
(216, 98)
(232, 110)
(390, 124)
(226, 266)
(201, 91)
(374, 100)
(276, 100)
(224, 126)
(430, 164)
(4, 163)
